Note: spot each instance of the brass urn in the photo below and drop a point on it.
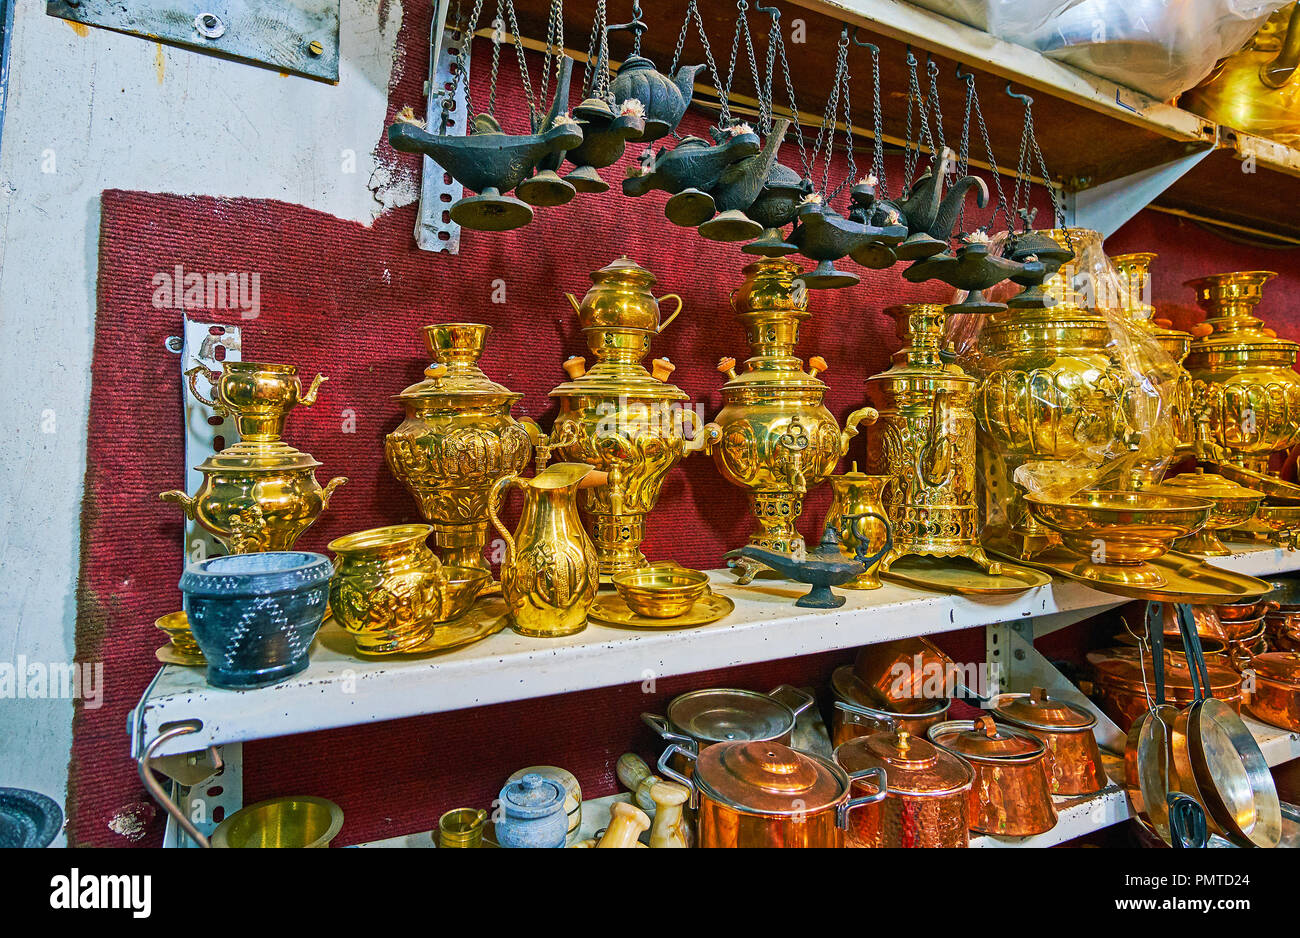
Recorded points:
(259, 494)
(1246, 388)
(620, 418)
(1055, 398)
(925, 441)
(457, 440)
(773, 435)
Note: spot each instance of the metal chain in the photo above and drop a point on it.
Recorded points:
(877, 127)
(681, 38)
(465, 29)
(533, 109)
(724, 116)
(932, 68)
(595, 73)
(826, 132)
(774, 35)
(498, 26)
(913, 156)
(851, 177)
(993, 163)
(554, 49)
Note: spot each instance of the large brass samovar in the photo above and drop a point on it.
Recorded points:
(1246, 389)
(1054, 396)
(925, 440)
(457, 440)
(620, 418)
(774, 436)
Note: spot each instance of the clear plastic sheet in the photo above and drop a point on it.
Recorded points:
(1112, 419)
(1157, 47)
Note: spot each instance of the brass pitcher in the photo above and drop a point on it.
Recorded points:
(858, 495)
(549, 575)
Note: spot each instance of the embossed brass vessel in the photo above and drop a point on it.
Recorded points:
(926, 443)
(1245, 382)
(457, 440)
(856, 494)
(1054, 394)
(259, 494)
(774, 436)
(620, 418)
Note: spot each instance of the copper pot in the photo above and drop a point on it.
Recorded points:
(1241, 651)
(927, 801)
(900, 676)
(1011, 795)
(1210, 624)
(764, 794)
(1274, 695)
(854, 715)
(1074, 764)
(1237, 611)
(1283, 630)
(1120, 691)
(723, 714)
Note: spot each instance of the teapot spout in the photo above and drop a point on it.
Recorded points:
(577, 307)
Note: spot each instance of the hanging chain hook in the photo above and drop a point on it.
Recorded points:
(1025, 99)
(636, 27)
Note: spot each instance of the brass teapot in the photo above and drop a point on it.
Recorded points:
(260, 494)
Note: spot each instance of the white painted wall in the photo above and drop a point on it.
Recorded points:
(109, 111)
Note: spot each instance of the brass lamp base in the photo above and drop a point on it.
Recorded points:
(777, 514)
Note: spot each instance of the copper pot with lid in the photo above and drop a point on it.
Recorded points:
(764, 794)
(1120, 685)
(1274, 689)
(1011, 795)
(856, 713)
(723, 714)
(1074, 765)
(927, 799)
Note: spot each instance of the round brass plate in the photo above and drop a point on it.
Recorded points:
(168, 654)
(954, 575)
(612, 610)
(487, 617)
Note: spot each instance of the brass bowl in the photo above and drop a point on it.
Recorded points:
(296, 821)
(177, 627)
(462, 587)
(1282, 520)
(662, 592)
(1117, 533)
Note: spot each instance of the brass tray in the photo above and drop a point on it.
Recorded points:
(957, 575)
(610, 609)
(168, 654)
(486, 617)
(1272, 488)
(1188, 579)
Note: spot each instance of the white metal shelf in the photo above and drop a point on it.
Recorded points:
(339, 689)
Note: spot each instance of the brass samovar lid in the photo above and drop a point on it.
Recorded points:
(1229, 301)
(611, 379)
(921, 326)
(770, 304)
(258, 456)
(454, 380)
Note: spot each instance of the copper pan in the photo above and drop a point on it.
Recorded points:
(854, 715)
(898, 676)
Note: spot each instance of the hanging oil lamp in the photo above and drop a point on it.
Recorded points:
(1246, 388)
(261, 493)
(774, 436)
(925, 441)
(457, 440)
(664, 98)
(619, 417)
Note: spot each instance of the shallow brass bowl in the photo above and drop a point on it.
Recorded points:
(661, 592)
(1279, 517)
(177, 627)
(299, 821)
(1121, 527)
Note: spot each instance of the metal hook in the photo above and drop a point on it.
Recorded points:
(911, 59)
(968, 77)
(866, 45)
(771, 11)
(1024, 98)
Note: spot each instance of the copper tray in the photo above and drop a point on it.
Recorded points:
(1188, 579)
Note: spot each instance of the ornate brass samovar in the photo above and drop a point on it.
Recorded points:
(457, 440)
(1135, 299)
(1054, 396)
(620, 418)
(925, 440)
(259, 494)
(1246, 389)
(774, 436)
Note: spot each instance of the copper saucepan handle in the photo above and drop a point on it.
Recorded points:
(792, 697)
(878, 779)
(670, 772)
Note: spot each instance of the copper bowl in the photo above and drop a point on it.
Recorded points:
(893, 676)
(1117, 685)
(1234, 612)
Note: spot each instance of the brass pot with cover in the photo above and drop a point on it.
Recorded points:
(774, 437)
(457, 440)
(1246, 388)
(259, 494)
(1054, 395)
(1233, 505)
(620, 418)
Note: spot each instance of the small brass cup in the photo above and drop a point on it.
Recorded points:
(298, 821)
(177, 627)
(662, 592)
(461, 827)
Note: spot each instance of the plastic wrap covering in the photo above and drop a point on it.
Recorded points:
(1257, 89)
(1157, 47)
(1072, 397)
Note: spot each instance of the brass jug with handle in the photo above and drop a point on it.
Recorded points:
(620, 299)
(549, 574)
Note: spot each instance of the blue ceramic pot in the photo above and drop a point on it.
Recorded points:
(532, 813)
(255, 615)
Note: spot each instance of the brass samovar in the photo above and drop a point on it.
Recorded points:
(774, 436)
(457, 440)
(925, 440)
(619, 417)
(1246, 389)
(1054, 396)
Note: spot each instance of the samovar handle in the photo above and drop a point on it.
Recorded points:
(328, 490)
(494, 505)
(306, 400)
(187, 503)
(868, 414)
(214, 378)
(670, 296)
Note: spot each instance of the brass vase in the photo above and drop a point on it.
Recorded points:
(259, 494)
(620, 418)
(774, 436)
(925, 442)
(858, 495)
(1054, 394)
(457, 440)
(1246, 387)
